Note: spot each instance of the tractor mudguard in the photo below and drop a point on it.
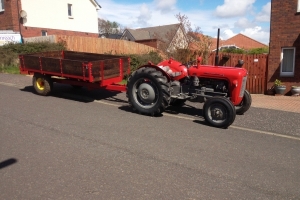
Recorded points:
(167, 75)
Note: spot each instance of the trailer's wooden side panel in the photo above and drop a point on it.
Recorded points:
(50, 64)
(31, 62)
(76, 65)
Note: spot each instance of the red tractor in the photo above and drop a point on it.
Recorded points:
(152, 88)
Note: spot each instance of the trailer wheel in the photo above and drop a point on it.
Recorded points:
(148, 91)
(219, 112)
(245, 104)
(42, 84)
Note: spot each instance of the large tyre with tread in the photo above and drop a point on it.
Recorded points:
(245, 104)
(148, 91)
(219, 112)
(42, 84)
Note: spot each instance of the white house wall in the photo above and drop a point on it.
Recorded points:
(53, 14)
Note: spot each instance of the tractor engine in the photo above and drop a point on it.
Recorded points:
(210, 85)
(198, 88)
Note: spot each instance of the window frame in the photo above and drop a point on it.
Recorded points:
(2, 8)
(44, 33)
(298, 6)
(70, 10)
(287, 74)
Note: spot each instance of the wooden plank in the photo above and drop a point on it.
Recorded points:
(103, 45)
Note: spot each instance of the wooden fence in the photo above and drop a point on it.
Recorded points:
(255, 64)
(103, 45)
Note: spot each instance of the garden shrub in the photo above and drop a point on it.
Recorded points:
(142, 59)
(9, 52)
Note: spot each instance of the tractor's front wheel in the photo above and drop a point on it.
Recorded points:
(219, 112)
(42, 84)
(245, 104)
(148, 91)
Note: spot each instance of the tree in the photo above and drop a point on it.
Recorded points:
(184, 47)
(198, 44)
(107, 27)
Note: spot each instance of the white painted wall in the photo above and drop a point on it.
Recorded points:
(53, 14)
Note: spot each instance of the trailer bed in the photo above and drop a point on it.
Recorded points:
(88, 67)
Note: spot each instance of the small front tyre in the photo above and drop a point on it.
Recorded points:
(42, 84)
(219, 112)
(245, 104)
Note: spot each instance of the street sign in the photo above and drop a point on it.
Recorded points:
(9, 38)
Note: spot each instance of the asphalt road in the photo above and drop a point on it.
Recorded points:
(80, 144)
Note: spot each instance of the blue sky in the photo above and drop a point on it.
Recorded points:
(249, 17)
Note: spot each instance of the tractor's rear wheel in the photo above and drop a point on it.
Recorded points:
(245, 104)
(148, 91)
(219, 112)
(42, 84)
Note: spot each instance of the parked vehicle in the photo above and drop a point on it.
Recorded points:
(151, 88)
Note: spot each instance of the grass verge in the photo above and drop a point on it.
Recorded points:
(10, 69)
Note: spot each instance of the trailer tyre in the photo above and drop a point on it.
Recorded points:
(219, 112)
(245, 104)
(42, 84)
(148, 91)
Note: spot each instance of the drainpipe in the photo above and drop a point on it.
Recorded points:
(217, 53)
(19, 21)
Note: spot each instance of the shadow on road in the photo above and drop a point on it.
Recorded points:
(79, 94)
(7, 162)
(86, 96)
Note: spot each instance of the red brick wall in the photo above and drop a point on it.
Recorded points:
(9, 18)
(285, 32)
(34, 32)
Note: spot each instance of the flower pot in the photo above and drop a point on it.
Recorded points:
(280, 89)
(295, 91)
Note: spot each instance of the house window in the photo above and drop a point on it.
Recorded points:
(298, 7)
(287, 66)
(1, 5)
(44, 33)
(70, 10)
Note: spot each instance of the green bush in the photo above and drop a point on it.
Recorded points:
(9, 52)
(258, 50)
(251, 51)
(20, 48)
(232, 50)
(139, 60)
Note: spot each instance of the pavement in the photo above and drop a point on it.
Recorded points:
(283, 103)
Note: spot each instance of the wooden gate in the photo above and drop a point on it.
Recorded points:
(255, 64)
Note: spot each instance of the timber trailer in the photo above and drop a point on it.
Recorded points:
(151, 88)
